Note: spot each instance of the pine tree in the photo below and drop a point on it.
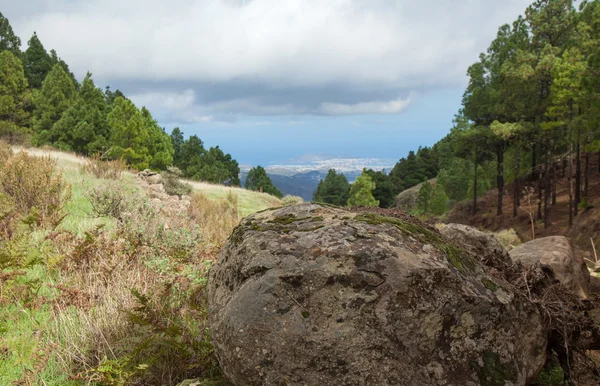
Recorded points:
(177, 143)
(54, 59)
(361, 191)
(191, 156)
(159, 145)
(128, 138)
(424, 197)
(438, 202)
(56, 96)
(385, 191)
(8, 40)
(84, 128)
(37, 62)
(334, 189)
(258, 180)
(13, 96)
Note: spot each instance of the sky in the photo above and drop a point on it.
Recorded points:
(272, 80)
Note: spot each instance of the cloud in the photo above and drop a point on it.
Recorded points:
(279, 56)
(390, 107)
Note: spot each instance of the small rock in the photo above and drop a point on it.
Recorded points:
(560, 255)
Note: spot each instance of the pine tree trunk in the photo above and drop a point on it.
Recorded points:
(500, 177)
(548, 180)
(475, 186)
(586, 181)
(554, 168)
(577, 177)
(570, 177)
(516, 186)
(540, 187)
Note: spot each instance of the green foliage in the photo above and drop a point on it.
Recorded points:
(56, 96)
(424, 197)
(159, 143)
(14, 96)
(84, 126)
(37, 62)
(361, 191)
(438, 203)
(197, 163)
(385, 191)
(456, 177)
(414, 169)
(129, 139)
(177, 143)
(334, 189)
(8, 40)
(258, 180)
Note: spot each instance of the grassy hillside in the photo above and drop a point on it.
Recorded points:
(105, 286)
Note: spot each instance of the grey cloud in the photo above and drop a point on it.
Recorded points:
(263, 57)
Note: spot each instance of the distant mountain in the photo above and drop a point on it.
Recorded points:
(302, 176)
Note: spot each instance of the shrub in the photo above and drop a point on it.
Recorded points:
(99, 168)
(171, 183)
(508, 237)
(5, 153)
(109, 201)
(216, 219)
(289, 200)
(36, 187)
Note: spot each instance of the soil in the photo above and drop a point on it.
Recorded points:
(586, 224)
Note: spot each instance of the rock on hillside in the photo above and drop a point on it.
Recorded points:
(318, 295)
(559, 254)
(485, 247)
(407, 200)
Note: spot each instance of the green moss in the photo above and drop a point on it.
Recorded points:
(489, 284)
(553, 375)
(287, 219)
(494, 372)
(305, 314)
(318, 218)
(459, 258)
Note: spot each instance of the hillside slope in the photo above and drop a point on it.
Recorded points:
(585, 226)
(249, 201)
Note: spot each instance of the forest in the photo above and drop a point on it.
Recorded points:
(529, 115)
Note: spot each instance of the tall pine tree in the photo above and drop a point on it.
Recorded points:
(37, 62)
(56, 96)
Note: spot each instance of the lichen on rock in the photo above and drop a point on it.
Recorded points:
(311, 294)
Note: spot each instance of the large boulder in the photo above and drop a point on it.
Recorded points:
(316, 295)
(484, 246)
(558, 254)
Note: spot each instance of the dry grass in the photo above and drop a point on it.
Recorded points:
(249, 200)
(216, 218)
(99, 168)
(508, 237)
(289, 200)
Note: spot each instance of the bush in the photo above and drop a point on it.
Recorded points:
(36, 187)
(216, 218)
(109, 201)
(99, 168)
(171, 183)
(289, 200)
(508, 237)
